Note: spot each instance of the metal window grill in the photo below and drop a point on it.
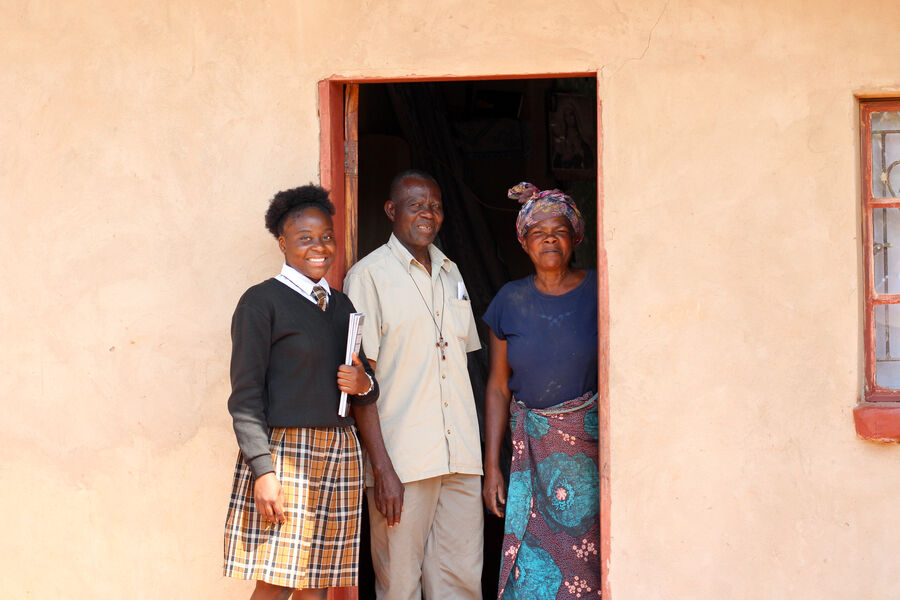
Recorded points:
(882, 248)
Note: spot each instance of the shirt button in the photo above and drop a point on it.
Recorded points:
(443, 376)
(437, 313)
(445, 404)
(448, 432)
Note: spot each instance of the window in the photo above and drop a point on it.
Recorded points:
(877, 416)
(881, 238)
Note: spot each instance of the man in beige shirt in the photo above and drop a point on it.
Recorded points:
(422, 443)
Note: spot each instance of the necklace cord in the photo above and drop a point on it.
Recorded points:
(439, 328)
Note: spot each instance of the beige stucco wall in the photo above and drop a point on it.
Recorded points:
(140, 141)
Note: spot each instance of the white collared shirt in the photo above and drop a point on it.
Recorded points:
(300, 283)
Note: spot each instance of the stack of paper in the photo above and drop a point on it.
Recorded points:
(354, 341)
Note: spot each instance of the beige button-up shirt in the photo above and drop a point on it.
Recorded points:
(426, 406)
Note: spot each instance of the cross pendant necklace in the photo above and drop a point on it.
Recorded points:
(441, 343)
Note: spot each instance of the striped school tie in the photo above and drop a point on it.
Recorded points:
(321, 296)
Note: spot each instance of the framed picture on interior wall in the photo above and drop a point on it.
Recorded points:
(572, 138)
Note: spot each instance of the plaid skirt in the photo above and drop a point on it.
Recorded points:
(320, 470)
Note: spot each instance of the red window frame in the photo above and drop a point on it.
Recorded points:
(873, 392)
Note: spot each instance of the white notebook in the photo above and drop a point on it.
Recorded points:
(354, 341)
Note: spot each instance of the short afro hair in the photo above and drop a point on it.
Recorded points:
(290, 202)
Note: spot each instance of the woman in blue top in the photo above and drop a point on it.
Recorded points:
(543, 383)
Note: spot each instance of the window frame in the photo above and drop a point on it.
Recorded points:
(873, 392)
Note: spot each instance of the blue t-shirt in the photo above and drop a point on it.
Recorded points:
(551, 341)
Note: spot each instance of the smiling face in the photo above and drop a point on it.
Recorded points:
(416, 212)
(549, 243)
(307, 242)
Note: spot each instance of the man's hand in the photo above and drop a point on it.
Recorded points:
(389, 496)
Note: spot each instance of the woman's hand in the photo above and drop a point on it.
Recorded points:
(352, 378)
(269, 498)
(493, 490)
(496, 417)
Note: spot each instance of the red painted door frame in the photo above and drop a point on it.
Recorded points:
(332, 175)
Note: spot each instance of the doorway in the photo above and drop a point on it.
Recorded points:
(477, 138)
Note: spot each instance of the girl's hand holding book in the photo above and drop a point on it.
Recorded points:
(353, 378)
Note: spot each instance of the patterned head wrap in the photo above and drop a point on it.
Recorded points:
(538, 205)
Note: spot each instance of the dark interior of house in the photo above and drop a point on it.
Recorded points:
(478, 139)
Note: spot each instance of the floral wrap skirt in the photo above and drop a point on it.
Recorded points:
(551, 539)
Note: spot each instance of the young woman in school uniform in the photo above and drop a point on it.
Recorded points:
(293, 518)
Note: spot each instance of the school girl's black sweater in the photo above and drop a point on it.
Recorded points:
(284, 362)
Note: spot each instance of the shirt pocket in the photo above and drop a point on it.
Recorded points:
(460, 311)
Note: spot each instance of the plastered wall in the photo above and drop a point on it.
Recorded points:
(142, 140)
